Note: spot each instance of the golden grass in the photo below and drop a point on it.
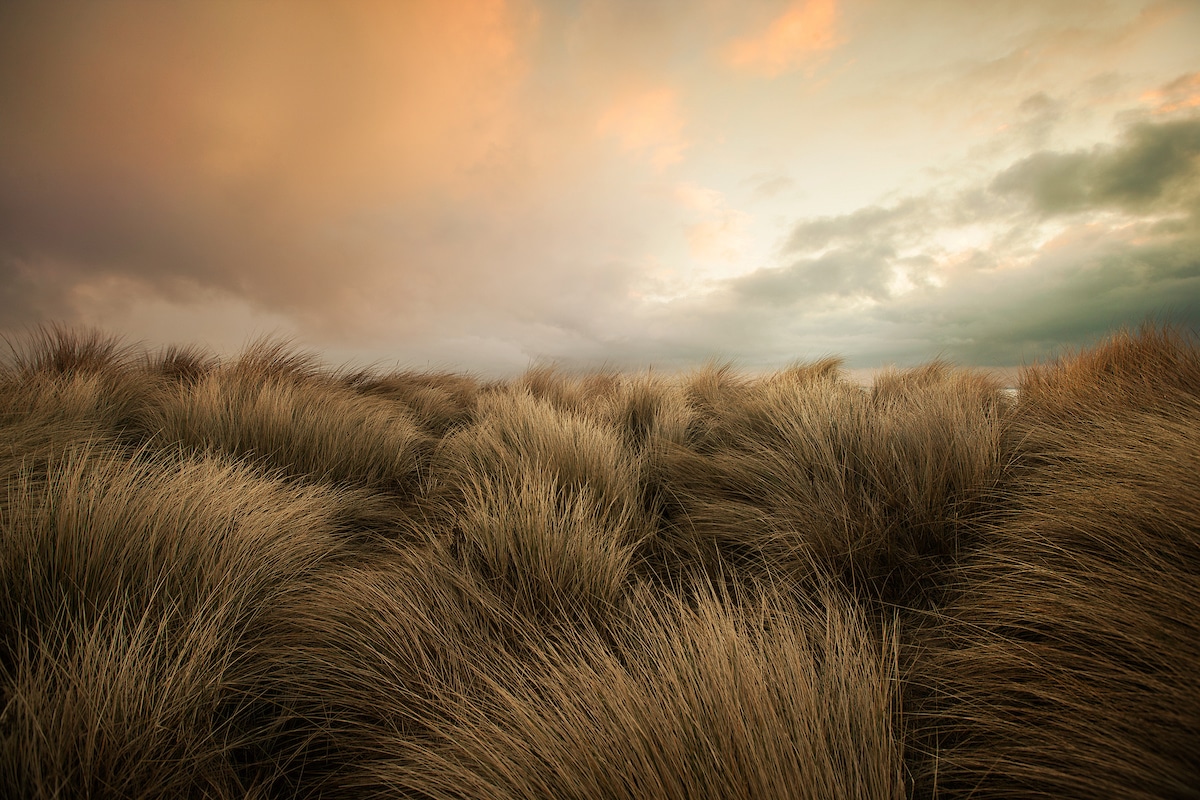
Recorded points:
(1067, 660)
(261, 577)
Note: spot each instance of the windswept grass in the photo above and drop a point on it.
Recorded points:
(807, 474)
(132, 591)
(277, 410)
(1067, 661)
(261, 577)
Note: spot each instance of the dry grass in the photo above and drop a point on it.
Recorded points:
(264, 578)
(1067, 662)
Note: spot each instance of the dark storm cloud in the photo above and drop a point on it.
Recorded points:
(1155, 162)
(1091, 281)
(1153, 165)
(1067, 296)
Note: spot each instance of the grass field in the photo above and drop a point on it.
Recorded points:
(263, 577)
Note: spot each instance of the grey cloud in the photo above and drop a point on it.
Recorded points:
(994, 317)
(1037, 115)
(870, 222)
(850, 272)
(1072, 299)
(1037, 104)
(1153, 164)
(1055, 182)
(1155, 159)
(28, 295)
(769, 185)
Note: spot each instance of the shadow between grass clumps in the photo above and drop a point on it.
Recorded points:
(807, 475)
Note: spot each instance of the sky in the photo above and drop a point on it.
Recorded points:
(482, 185)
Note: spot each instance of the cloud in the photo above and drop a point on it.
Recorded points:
(861, 272)
(1054, 182)
(1041, 73)
(715, 231)
(1154, 165)
(647, 123)
(806, 29)
(1086, 283)
(1181, 94)
(407, 180)
(1056, 249)
(768, 185)
(1037, 116)
(872, 221)
(249, 149)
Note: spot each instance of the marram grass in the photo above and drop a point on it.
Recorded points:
(266, 578)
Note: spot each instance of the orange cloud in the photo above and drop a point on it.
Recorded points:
(1178, 95)
(250, 147)
(806, 28)
(719, 232)
(647, 123)
(329, 96)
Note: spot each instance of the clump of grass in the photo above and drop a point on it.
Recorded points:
(649, 413)
(366, 661)
(64, 388)
(59, 350)
(808, 473)
(542, 501)
(183, 364)
(132, 589)
(463, 696)
(276, 410)
(698, 700)
(1065, 663)
(440, 402)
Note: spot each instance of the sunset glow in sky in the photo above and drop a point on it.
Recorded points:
(480, 184)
